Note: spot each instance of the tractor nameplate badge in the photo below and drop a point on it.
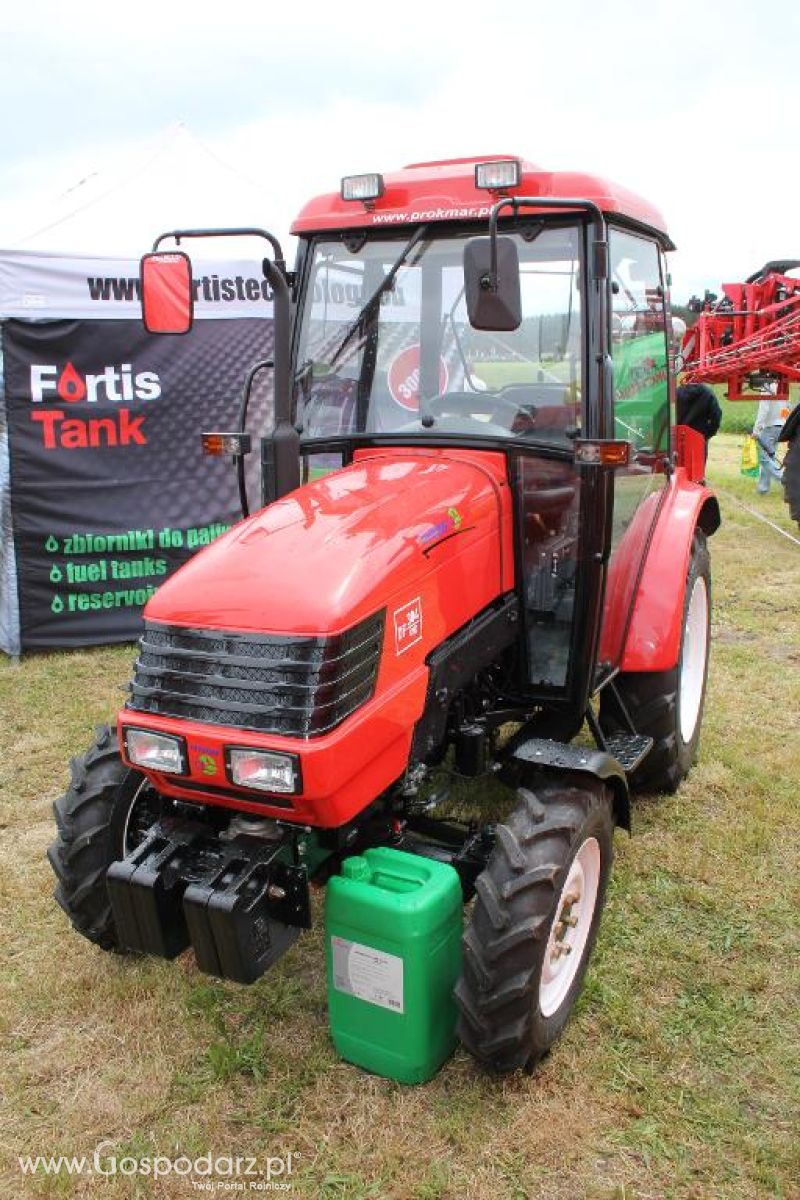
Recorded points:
(407, 625)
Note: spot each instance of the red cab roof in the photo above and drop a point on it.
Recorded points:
(446, 191)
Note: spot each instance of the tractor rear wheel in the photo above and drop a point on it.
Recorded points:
(791, 478)
(102, 816)
(668, 705)
(534, 922)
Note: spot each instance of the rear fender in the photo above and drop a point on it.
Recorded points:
(654, 636)
(690, 447)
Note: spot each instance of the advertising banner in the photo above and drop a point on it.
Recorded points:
(109, 490)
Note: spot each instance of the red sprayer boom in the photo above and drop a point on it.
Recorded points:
(750, 339)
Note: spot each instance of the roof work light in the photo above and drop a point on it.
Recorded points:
(362, 187)
(493, 176)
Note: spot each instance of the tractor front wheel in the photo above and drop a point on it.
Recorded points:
(102, 816)
(534, 922)
(668, 705)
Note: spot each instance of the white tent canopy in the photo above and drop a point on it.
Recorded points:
(121, 206)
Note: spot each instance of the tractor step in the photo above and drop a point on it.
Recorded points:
(629, 749)
(237, 903)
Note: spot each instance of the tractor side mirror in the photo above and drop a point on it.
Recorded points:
(492, 289)
(165, 281)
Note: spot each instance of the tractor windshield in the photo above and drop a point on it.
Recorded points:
(385, 343)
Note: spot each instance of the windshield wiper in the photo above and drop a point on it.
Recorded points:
(384, 286)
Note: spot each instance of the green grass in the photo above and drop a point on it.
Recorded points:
(738, 415)
(678, 1076)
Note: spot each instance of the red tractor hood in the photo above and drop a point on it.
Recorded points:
(341, 547)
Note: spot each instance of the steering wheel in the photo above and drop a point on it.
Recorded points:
(480, 403)
(454, 424)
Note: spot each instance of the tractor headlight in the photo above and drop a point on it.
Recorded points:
(264, 770)
(155, 751)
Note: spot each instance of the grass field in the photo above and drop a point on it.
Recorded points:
(738, 415)
(678, 1077)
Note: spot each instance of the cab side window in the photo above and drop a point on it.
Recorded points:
(639, 344)
(641, 417)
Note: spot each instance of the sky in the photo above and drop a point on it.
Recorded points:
(691, 104)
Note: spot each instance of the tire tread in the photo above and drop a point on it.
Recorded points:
(512, 916)
(83, 849)
(651, 698)
(791, 478)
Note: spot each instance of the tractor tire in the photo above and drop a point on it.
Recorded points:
(668, 705)
(524, 960)
(100, 818)
(791, 478)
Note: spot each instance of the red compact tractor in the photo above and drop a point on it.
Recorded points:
(481, 536)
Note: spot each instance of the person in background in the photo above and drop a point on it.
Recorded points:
(769, 421)
(698, 407)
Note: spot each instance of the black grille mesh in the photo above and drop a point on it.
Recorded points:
(300, 687)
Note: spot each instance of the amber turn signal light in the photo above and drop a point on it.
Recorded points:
(602, 452)
(218, 444)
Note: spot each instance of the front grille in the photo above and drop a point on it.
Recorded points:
(301, 686)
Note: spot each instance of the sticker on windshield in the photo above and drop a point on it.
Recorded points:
(403, 377)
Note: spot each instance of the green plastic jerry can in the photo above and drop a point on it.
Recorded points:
(393, 946)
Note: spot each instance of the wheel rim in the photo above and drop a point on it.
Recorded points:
(693, 660)
(145, 809)
(569, 932)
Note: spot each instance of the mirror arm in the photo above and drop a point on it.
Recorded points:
(177, 234)
(517, 202)
(263, 365)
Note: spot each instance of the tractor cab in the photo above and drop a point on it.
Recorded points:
(488, 307)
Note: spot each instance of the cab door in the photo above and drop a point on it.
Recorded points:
(639, 350)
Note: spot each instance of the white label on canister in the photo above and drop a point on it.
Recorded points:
(369, 974)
